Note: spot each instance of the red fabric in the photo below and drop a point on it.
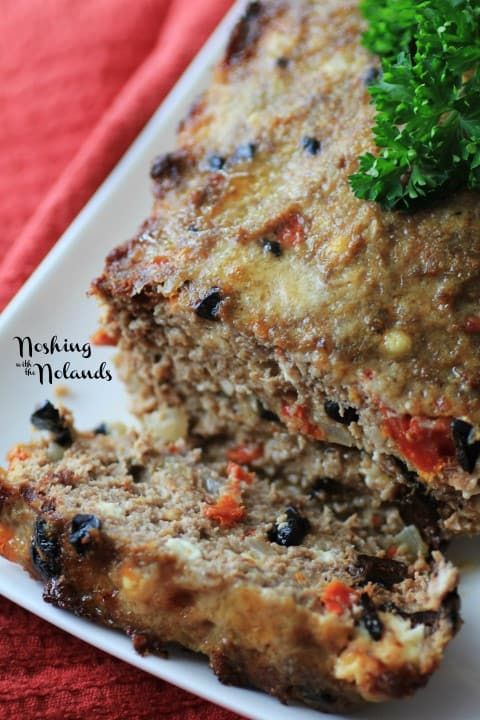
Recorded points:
(78, 80)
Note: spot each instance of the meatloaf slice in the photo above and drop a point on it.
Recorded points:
(259, 275)
(326, 600)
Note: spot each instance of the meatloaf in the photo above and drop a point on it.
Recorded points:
(261, 286)
(309, 596)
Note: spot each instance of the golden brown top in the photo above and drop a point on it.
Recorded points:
(255, 201)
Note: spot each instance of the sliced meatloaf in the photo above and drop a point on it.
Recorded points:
(261, 284)
(329, 600)
(269, 449)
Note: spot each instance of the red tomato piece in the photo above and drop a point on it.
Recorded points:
(298, 416)
(426, 442)
(291, 231)
(472, 324)
(245, 454)
(227, 511)
(338, 597)
(102, 337)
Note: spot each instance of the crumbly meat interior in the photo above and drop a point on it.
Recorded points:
(313, 593)
(182, 365)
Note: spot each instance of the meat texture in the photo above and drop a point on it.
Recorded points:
(260, 284)
(313, 593)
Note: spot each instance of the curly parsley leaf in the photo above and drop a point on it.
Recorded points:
(427, 126)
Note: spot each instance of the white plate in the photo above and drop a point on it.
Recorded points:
(53, 302)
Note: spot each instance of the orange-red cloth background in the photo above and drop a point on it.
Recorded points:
(78, 80)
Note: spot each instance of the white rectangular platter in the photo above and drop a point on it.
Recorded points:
(54, 303)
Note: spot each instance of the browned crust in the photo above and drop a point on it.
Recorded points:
(246, 34)
(234, 666)
(167, 170)
(397, 685)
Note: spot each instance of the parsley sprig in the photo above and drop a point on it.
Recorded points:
(427, 126)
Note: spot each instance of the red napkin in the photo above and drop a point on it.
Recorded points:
(78, 80)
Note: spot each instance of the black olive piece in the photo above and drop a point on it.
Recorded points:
(216, 162)
(169, 166)
(370, 617)
(408, 474)
(467, 452)
(332, 409)
(383, 571)
(193, 228)
(423, 617)
(451, 604)
(267, 414)
(291, 531)
(245, 34)
(245, 152)
(417, 507)
(137, 472)
(283, 62)
(329, 486)
(47, 417)
(272, 246)
(209, 307)
(371, 76)
(101, 429)
(311, 145)
(82, 526)
(158, 166)
(64, 438)
(45, 550)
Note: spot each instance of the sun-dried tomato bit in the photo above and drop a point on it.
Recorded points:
(6, 534)
(237, 474)
(391, 551)
(160, 259)
(472, 324)
(227, 511)
(290, 528)
(291, 231)
(338, 597)
(102, 337)
(17, 454)
(297, 416)
(7, 542)
(244, 454)
(426, 442)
